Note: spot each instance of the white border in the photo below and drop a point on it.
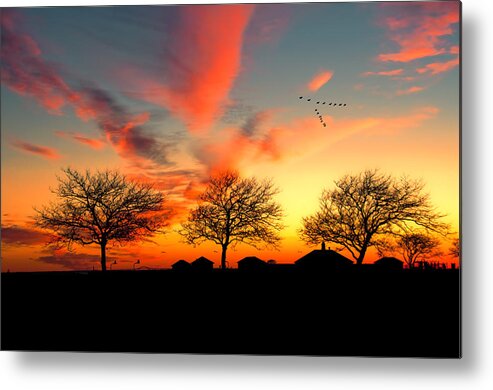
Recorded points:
(475, 371)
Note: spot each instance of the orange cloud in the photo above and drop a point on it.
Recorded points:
(193, 190)
(439, 67)
(319, 80)
(454, 50)
(232, 149)
(38, 150)
(227, 148)
(410, 90)
(181, 186)
(419, 28)
(223, 151)
(394, 72)
(305, 135)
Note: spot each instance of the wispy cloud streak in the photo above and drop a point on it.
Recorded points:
(319, 80)
(38, 150)
(93, 143)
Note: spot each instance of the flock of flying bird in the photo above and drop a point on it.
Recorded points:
(318, 113)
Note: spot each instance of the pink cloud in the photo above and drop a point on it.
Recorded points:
(419, 28)
(42, 151)
(394, 72)
(201, 64)
(319, 80)
(396, 23)
(25, 72)
(410, 90)
(93, 143)
(439, 67)
(122, 129)
(406, 78)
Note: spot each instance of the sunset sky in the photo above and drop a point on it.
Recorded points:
(172, 94)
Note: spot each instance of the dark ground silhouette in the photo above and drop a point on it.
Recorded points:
(352, 313)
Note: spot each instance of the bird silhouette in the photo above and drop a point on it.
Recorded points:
(344, 104)
(301, 97)
(309, 99)
(330, 104)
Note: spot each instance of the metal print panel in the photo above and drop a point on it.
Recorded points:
(239, 178)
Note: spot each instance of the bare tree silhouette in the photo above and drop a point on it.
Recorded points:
(454, 250)
(99, 208)
(235, 210)
(416, 245)
(365, 207)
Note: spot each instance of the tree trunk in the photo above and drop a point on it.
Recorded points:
(362, 254)
(103, 255)
(223, 256)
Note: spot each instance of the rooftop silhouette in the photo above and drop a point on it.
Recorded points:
(323, 259)
(181, 265)
(202, 264)
(251, 263)
(389, 263)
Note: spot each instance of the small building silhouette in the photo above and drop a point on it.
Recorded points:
(181, 265)
(202, 264)
(251, 263)
(389, 263)
(323, 259)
